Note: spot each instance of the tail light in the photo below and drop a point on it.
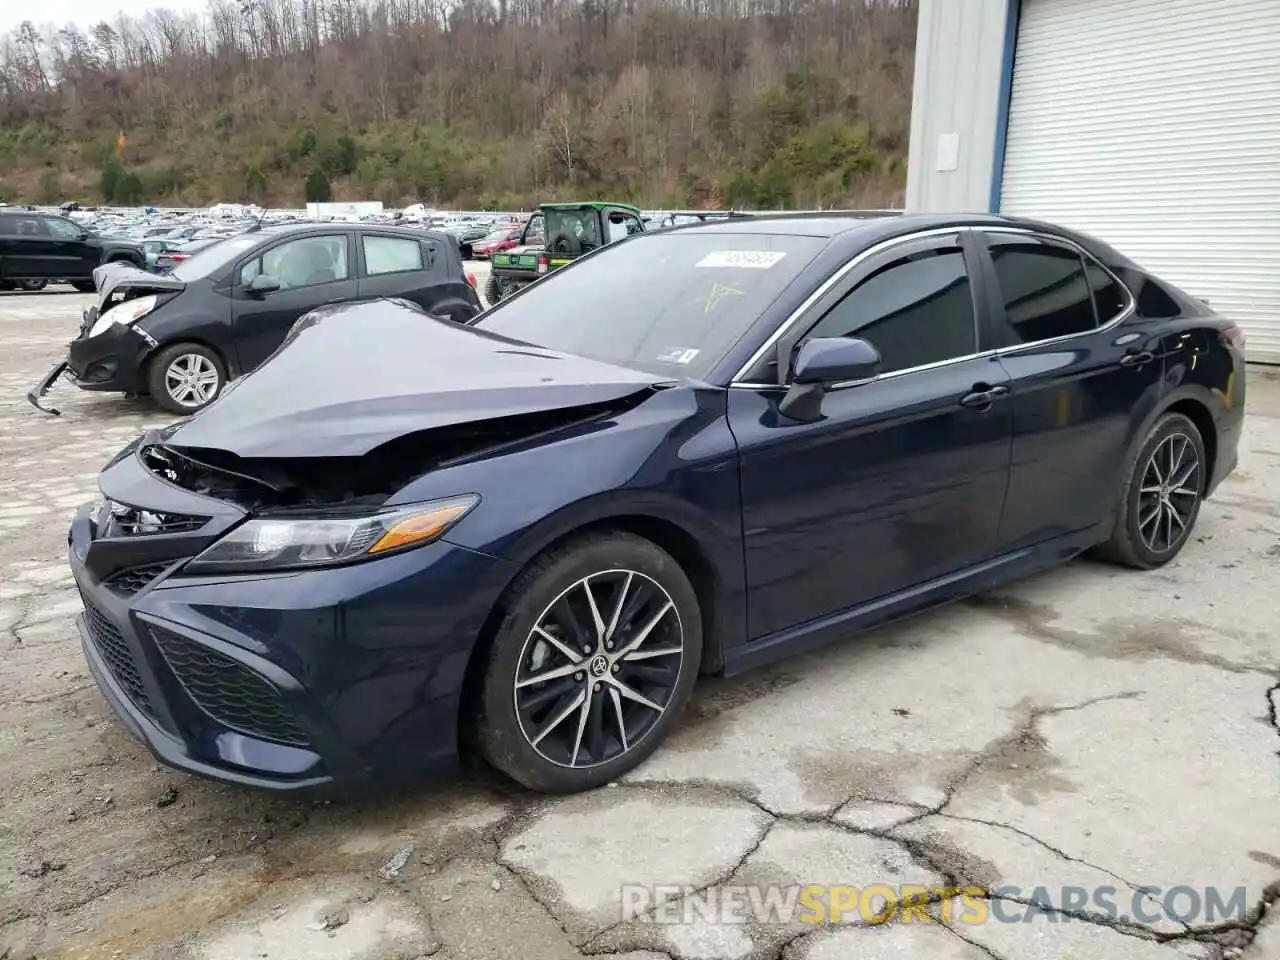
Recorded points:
(1233, 338)
(179, 257)
(544, 263)
(471, 278)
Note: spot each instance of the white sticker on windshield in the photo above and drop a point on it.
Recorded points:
(678, 355)
(742, 259)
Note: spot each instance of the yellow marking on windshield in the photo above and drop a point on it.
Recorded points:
(718, 293)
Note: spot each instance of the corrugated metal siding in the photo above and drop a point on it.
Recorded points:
(956, 91)
(1155, 125)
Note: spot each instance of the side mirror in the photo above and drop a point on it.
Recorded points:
(261, 285)
(819, 364)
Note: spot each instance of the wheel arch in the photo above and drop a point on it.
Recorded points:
(1195, 403)
(715, 599)
(145, 361)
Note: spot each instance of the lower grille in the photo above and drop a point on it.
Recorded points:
(228, 691)
(115, 652)
(131, 581)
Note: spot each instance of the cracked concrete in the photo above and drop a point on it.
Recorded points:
(1090, 730)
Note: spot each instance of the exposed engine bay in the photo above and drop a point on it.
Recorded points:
(262, 484)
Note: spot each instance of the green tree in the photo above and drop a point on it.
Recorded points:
(109, 179)
(129, 191)
(255, 185)
(50, 189)
(317, 187)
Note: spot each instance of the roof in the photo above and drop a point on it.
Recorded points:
(309, 226)
(828, 225)
(595, 204)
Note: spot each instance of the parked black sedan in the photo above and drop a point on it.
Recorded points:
(531, 534)
(181, 335)
(40, 248)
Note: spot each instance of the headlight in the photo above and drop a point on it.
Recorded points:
(126, 313)
(282, 543)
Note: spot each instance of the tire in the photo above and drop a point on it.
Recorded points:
(193, 357)
(31, 286)
(1137, 540)
(84, 286)
(491, 293)
(561, 735)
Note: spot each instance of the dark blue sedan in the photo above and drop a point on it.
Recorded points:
(693, 451)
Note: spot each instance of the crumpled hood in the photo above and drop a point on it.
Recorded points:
(112, 276)
(352, 377)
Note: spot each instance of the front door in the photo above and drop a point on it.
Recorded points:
(313, 270)
(1078, 374)
(75, 254)
(903, 479)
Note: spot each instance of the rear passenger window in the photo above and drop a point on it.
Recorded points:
(1109, 298)
(915, 310)
(1045, 291)
(391, 255)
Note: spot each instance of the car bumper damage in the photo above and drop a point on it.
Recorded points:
(111, 361)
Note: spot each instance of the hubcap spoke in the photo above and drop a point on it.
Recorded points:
(598, 668)
(1173, 471)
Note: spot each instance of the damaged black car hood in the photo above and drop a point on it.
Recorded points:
(118, 275)
(351, 378)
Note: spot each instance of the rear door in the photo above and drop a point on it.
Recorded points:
(29, 249)
(1081, 380)
(393, 265)
(313, 270)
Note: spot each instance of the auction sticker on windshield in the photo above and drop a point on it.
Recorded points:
(681, 355)
(742, 259)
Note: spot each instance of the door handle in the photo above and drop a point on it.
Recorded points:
(1142, 358)
(983, 395)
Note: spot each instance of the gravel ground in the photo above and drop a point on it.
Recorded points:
(1091, 727)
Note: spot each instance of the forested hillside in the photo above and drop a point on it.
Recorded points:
(478, 103)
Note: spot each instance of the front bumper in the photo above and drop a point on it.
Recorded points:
(113, 361)
(323, 681)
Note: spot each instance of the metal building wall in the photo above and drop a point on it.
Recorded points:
(958, 103)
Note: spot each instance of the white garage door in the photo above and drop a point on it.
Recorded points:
(1155, 125)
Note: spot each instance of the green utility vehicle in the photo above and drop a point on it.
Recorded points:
(556, 235)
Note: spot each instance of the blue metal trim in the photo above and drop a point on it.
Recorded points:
(1012, 13)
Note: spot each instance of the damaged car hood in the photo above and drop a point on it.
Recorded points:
(116, 275)
(351, 378)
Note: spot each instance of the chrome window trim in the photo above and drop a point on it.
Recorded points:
(822, 291)
(1127, 312)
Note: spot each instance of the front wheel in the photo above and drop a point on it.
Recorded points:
(1160, 498)
(591, 665)
(186, 377)
(31, 286)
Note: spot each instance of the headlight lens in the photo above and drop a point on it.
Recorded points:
(283, 543)
(126, 313)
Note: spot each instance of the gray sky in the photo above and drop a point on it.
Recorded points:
(83, 13)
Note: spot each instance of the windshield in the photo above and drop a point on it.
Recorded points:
(671, 304)
(215, 256)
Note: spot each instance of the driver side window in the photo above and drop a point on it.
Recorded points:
(305, 262)
(915, 310)
(61, 229)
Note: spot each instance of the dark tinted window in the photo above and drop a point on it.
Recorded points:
(1045, 291)
(1108, 296)
(916, 310)
(1154, 303)
(670, 303)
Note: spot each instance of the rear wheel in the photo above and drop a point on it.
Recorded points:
(186, 377)
(31, 286)
(591, 665)
(1160, 498)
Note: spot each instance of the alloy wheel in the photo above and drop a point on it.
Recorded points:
(598, 669)
(191, 380)
(1170, 491)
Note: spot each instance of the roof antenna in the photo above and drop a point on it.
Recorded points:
(257, 224)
